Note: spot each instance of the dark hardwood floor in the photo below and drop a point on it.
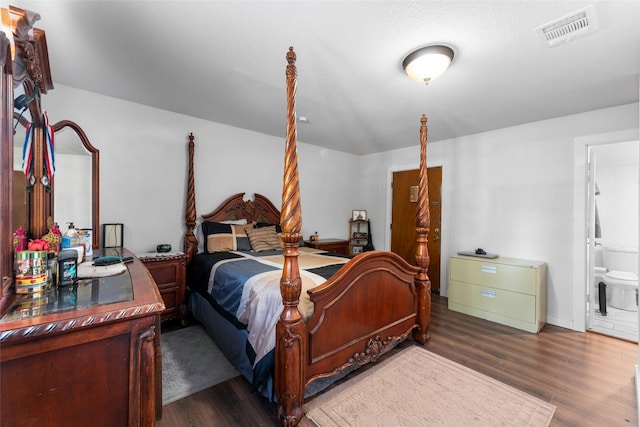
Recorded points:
(588, 377)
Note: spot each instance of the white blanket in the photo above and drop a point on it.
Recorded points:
(261, 302)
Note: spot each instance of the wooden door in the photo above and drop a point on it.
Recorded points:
(403, 219)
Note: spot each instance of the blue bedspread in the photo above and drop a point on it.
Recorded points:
(244, 288)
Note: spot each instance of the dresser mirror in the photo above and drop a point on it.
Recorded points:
(75, 187)
(76, 193)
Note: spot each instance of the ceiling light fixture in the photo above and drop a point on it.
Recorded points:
(427, 63)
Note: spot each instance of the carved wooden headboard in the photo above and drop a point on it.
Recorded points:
(259, 209)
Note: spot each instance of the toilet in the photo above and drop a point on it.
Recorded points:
(620, 277)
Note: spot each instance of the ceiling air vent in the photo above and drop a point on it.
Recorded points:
(567, 28)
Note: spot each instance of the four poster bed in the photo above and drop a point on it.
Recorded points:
(317, 315)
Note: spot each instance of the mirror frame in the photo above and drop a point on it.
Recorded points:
(6, 172)
(95, 177)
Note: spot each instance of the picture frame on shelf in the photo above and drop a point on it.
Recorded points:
(359, 215)
(355, 250)
(359, 236)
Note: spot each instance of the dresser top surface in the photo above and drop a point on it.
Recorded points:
(503, 260)
(105, 300)
(82, 295)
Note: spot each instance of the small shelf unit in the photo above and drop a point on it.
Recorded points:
(358, 236)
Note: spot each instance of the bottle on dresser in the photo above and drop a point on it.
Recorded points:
(70, 238)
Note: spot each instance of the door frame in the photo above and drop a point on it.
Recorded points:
(444, 226)
(580, 209)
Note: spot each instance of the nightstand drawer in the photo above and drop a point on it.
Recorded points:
(170, 295)
(169, 274)
(164, 274)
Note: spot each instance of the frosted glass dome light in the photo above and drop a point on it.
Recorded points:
(427, 63)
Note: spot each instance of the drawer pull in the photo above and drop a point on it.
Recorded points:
(489, 269)
(488, 294)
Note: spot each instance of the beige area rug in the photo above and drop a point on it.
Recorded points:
(191, 362)
(418, 388)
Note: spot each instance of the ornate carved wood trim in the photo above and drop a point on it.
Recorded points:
(235, 207)
(31, 62)
(141, 394)
(64, 325)
(375, 348)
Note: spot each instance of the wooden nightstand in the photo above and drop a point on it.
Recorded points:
(338, 246)
(169, 273)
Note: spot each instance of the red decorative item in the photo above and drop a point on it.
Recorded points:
(38, 245)
(20, 239)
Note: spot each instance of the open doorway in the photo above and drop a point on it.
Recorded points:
(612, 255)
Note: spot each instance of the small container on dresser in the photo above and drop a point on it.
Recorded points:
(169, 272)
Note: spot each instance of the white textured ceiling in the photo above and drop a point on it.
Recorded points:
(224, 61)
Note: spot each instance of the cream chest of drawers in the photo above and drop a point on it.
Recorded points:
(504, 290)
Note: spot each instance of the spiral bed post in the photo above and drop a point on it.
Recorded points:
(290, 330)
(423, 284)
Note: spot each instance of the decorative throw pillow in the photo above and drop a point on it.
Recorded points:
(263, 238)
(235, 222)
(242, 240)
(268, 224)
(221, 237)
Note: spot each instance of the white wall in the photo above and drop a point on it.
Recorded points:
(616, 173)
(143, 168)
(509, 191)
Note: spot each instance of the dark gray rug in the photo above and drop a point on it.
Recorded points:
(191, 362)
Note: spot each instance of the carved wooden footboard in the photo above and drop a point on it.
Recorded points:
(375, 296)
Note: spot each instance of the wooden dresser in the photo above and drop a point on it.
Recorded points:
(87, 355)
(504, 290)
(338, 246)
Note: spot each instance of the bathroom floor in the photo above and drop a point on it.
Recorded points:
(617, 323)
